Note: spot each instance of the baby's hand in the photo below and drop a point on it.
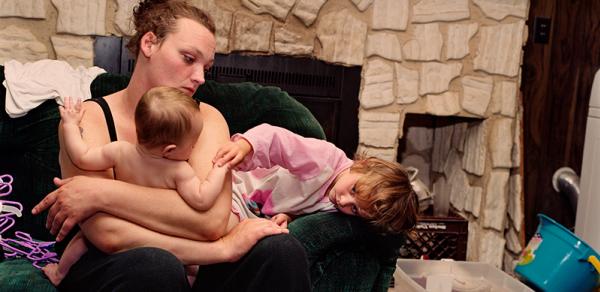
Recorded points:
(71, 113)
(232, 153)
(281, 219)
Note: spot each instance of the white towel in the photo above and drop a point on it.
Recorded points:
(29, 85)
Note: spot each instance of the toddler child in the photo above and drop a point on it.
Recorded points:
(289, 175)
(168, 124)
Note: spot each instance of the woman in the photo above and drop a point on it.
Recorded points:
(142, 235)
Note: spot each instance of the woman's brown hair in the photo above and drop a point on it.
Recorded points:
(159, 17)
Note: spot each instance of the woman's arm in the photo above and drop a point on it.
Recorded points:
(161, 210)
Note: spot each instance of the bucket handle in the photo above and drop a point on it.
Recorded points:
(594, 261)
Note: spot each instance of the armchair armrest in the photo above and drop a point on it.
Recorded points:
(344, 252)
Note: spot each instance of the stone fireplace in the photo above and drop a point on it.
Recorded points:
(456, 62)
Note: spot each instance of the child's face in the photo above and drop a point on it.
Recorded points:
(342, 194)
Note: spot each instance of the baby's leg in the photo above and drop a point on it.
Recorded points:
(74, 250)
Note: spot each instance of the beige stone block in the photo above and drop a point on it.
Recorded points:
(378, 129)
(23, 8)
(496, 200)
(342, 36)
(390, 14)
(278, 8)
(477, 92)
(436, 77)
(426, 44)
(508, 95)
(476, 193)
(500, 49)
(475, 148)
(21, 45)
(515, 201)
(445, 104)
(362, 5)
(512, 241)
(123, 17)
(419, 139)
(491, 248)
(384, 44)
(406, 84)
(307, 10)
(473, 240)
(499, 9)
(387, 154)
(222, 18)
(517, 140)
(458, 138)
(250, 34)
(75, 50)
(510, 262)
(457, 42)
(501, 142)
(291, 42)
(442, 140)
(81, 18)
(378, 84)
(440, 10)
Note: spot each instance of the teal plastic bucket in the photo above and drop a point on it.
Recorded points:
(555, 259)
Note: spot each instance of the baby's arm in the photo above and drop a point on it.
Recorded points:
(85, 157)
(200, 195)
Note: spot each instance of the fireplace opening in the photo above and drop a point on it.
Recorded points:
(435, 145)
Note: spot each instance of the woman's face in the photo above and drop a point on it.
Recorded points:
(182, 58)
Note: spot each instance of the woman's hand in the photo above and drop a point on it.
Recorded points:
(246, 234)
(281, 219)
(232, 153)
(74, 201)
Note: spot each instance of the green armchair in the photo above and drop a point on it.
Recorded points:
(344, 254)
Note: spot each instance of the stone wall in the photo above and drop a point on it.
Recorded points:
(436, 57)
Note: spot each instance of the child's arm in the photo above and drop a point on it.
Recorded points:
(85, 157)
(271, 145)
(200, 195)
(232, 153)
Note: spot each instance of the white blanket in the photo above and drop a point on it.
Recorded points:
(29, 85)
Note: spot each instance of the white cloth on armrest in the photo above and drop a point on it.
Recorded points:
(29, 85)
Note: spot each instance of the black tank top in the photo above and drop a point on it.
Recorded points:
(110, 122)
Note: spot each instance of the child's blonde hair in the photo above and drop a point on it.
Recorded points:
(164, 116)
(385, 194)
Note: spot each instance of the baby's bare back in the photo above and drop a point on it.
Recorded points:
(146, 170)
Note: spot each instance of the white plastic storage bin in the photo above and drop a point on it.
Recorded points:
(456, 276)
(586, 223)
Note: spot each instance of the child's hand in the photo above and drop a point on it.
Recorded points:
(232, 153)
(71, 113)
(281, 219)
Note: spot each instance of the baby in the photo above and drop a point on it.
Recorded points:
(168, 124)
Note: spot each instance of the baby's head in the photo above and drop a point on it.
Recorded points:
(379, 191)
(168, 121)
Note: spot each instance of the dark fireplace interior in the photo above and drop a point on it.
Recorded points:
(329, 91)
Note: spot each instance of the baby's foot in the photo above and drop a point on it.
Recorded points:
(53, 273)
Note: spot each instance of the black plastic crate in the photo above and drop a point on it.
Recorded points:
(437, 238)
